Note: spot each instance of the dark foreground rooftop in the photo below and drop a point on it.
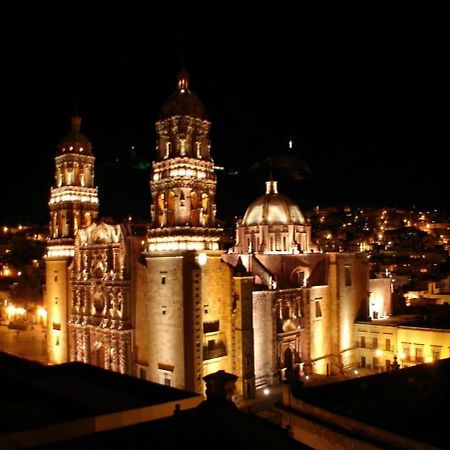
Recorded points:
(35, 396)
(75, 405)
(412, 402)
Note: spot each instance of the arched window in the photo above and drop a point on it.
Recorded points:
(278, 240)
(87, 219)
(194, 209)
(76, 221)
(160, 209)
(182, 147)
(171, 208)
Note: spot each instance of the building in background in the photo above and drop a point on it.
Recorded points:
(172, 307)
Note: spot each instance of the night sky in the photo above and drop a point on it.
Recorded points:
(361, 94)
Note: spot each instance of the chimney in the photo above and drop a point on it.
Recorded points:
(220, 387)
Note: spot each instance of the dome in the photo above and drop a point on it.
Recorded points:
(75, 141)
(183, 102)
(273, 208)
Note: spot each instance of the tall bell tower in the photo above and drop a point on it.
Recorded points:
(188, 287)
(183, 183)
(73, 205)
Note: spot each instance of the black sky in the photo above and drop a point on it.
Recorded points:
(363, 95)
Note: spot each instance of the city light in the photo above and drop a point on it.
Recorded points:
(42, 312)
(202, 258)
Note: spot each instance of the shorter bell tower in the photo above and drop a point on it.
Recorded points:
(73, 205)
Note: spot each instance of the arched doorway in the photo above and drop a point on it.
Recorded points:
(288, 358)
(98, 354)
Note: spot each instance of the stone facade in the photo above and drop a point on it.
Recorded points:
(103, 301)
(172, 308)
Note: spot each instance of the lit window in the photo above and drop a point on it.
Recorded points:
(348, 275)
(317, 309)
(374, 342)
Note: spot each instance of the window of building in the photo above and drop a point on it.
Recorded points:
(167, 380)
(419, 354)
(407, 350)
(211, 327)
(301, 277)
(363, 342)
(278, 240)
(55, 273)
(387, 345)
(363, 361)
(374, 342)
(205, 309)
(317, 309)
(182, 147)
(348, 275)
(163, 277)
(375, 362)
(436, 354)
(164, 310)
(142, 373)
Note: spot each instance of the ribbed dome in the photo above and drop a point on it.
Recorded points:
(75, 141)
(183, 102)
(273, 208)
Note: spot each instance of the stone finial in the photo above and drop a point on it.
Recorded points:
(75, 123)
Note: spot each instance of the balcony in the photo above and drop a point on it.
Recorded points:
(214, 349)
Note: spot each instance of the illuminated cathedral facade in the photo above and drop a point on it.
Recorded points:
(170, 306)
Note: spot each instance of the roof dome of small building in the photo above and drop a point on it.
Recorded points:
(75, 141)
(183, 102)
(273, 208)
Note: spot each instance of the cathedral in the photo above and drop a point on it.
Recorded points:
(168, 304)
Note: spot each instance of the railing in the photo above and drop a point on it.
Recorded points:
(378, 347)
(216, 351)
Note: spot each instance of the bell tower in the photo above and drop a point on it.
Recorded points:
(188, 287)
(73, 205)
(183, 183)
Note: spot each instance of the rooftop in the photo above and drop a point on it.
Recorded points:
(410, 402)
(75, 405)
(37, 395)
